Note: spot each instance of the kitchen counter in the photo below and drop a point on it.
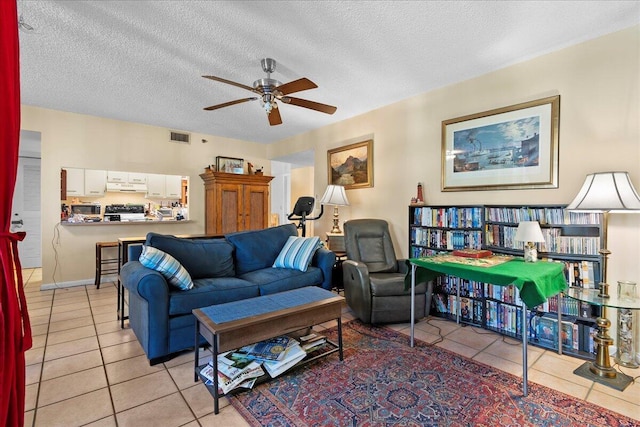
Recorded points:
(146, 221)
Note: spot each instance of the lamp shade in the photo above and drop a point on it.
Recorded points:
(606, 192)
(335, 195)
(529, 231)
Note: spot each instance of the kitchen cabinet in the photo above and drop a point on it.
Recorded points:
(136, 178)
(95, 182)
(173, 187)
(127, 177)
(235, 202)
(115, 176)
(75, 182)
(164, 186)
(155, 186)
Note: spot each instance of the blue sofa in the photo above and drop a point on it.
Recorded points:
(223, 270)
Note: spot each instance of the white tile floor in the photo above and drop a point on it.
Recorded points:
(83, 370)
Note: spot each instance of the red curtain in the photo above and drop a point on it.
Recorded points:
(15, 330)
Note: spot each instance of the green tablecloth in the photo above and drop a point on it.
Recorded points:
(536, 281)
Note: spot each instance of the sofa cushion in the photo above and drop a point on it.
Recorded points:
(272, 280)
(166, 265)
(257, 249)
(202, 258)
(297, 253)
(206, 292)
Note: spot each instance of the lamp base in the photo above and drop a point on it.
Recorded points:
(618, 382)
(336, 220)
(530, 253)
(600, 370)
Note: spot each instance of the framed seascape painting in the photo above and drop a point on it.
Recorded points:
(229, 165)
(514, 147)
(352, 165)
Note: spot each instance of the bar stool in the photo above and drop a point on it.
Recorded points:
(110, 264)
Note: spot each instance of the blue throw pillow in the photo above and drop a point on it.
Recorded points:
(297, 253)
(166, 265)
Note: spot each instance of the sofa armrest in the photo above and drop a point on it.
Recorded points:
(145, 282)
(325, 259)
(357, 288)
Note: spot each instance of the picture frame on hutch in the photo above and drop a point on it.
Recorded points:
(351, 166)
(508, 148)
(230, 165)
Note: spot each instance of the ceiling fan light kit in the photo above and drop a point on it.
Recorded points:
(271, 90)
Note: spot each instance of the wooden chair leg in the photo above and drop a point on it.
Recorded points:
(98, 265)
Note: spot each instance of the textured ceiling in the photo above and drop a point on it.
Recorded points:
(142, 61)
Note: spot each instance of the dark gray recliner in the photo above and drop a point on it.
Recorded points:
(374, 278)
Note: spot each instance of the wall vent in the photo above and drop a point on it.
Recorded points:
(180, 137)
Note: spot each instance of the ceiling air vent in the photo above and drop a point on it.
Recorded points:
(180, 137)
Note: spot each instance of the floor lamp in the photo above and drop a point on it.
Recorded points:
(605, 192)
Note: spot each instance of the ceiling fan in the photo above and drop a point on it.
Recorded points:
(271, 90)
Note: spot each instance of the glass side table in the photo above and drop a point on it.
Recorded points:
(600, 370)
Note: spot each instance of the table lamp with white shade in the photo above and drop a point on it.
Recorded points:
(605, 192)
(336, 196)
(529, 232)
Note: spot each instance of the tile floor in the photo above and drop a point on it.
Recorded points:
(83, 370)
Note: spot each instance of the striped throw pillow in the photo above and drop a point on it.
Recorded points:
(297, 252)
(166, 265)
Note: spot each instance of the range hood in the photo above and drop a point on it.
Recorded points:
(123, 187)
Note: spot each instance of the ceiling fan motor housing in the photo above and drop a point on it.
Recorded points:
(266, 85)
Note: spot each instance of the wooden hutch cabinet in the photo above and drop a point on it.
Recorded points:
(235, 202)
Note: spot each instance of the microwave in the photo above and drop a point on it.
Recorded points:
(91, 210)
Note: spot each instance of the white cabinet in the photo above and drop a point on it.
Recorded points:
(114, 176)
(95, 182)
(173, 187)
(137, 178)
(75, 182)
(164, 186)
(155, 186)
(127, 177)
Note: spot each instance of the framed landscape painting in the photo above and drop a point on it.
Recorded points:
(229, 165)
(352, 165)
(514, 147)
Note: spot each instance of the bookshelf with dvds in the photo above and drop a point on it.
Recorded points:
(435, 229)
(570, 237)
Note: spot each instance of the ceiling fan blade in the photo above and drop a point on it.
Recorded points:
(297, 86)
(324, 108)
(229, 82)
(226, 104)
(274, 117)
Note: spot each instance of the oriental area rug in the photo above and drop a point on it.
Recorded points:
(384, 382)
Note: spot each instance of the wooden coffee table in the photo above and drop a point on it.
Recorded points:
(235, 324)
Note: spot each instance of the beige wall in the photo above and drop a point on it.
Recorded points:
(598, 82)
(75, 140)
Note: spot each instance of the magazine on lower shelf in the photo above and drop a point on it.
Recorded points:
(312, 341)
(232, 364)
(293, 355)
(240, 368)
(270, 349)
(245, 379)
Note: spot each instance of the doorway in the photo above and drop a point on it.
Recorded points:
(293, 177)
(26, 206)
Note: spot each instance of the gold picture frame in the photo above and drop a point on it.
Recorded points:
(351, 166)
(508, 148)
